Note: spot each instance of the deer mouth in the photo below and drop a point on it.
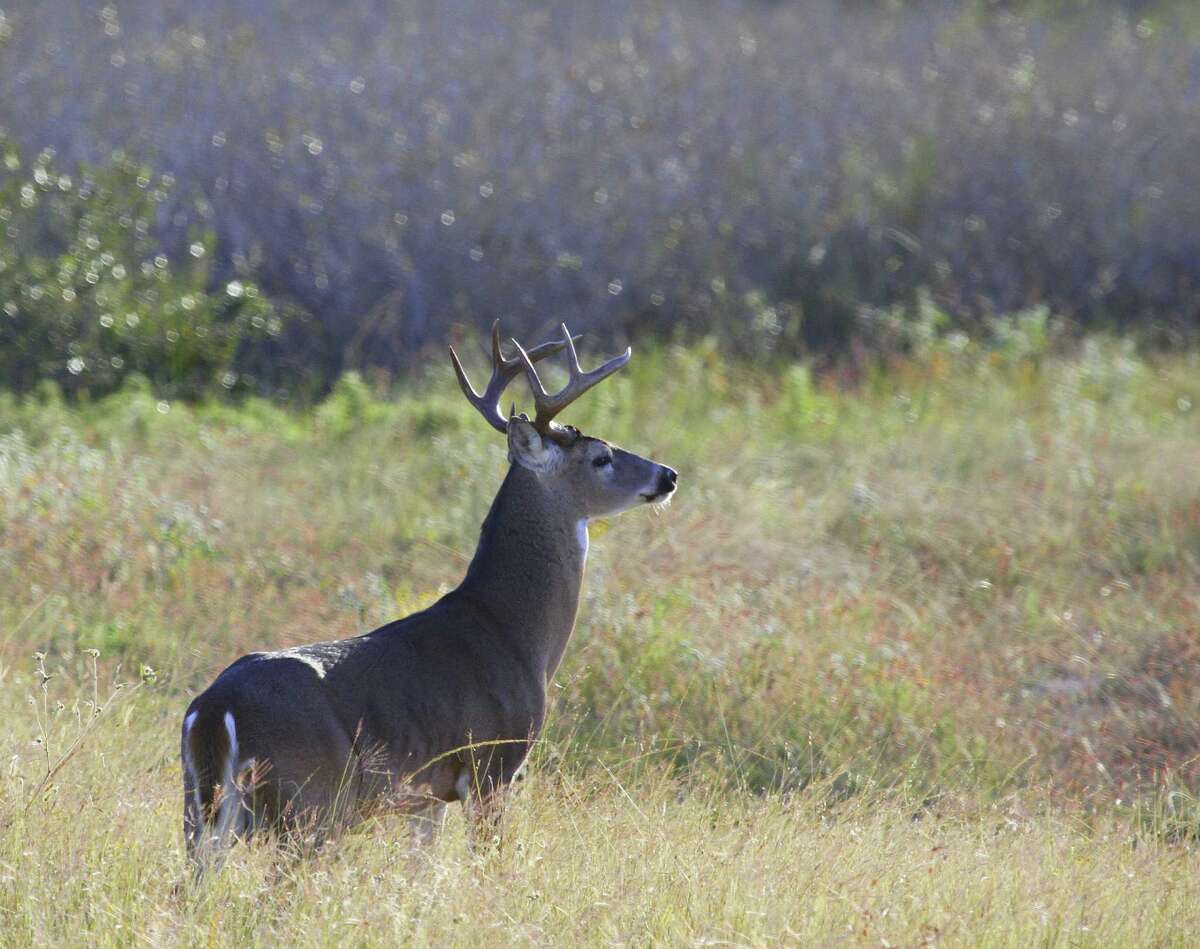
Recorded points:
(663, 493)
(663, 490)
(664, 487)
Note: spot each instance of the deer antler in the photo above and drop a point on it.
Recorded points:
(549, 406)
(503, 372)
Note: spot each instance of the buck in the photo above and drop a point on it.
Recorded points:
(440, 706)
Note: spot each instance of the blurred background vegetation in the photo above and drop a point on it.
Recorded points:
(257, 196)
(914, 290)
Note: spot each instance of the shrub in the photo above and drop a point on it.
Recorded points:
(87, 295)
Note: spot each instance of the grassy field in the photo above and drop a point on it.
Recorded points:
(911, 659)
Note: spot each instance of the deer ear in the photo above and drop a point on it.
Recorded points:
(527, 448)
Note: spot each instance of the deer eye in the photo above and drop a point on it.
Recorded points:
(602, 461)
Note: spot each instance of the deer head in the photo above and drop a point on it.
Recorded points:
(595, 477)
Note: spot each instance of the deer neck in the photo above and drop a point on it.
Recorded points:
(528, 568)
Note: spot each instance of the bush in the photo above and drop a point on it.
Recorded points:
(87, 296)
(757, 172)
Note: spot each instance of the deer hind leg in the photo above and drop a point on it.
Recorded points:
(425, 822)
(306, 797)
(309, 816)
(211, 826)
(483, 800)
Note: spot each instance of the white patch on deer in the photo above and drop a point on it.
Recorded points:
(227, 811)
(462, 787)
(231, 731)
(311, 661)
(188, 765)
(581, 535)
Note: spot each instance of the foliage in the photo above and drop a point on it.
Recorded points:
(913, 653)
(758, 172)
(88, 298)
(798, 614)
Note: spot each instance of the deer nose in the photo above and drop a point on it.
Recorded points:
(667, 479)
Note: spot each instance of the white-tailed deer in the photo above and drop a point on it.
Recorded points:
(444, 704)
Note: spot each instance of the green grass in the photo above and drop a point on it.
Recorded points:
(913, 656)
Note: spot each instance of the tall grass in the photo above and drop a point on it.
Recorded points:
(597, 863)
(911, 656)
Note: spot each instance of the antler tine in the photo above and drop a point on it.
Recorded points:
(548, 406)
(497, 356)
(572, 356)
(504, 370)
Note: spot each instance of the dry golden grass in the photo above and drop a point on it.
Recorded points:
(590, 861)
